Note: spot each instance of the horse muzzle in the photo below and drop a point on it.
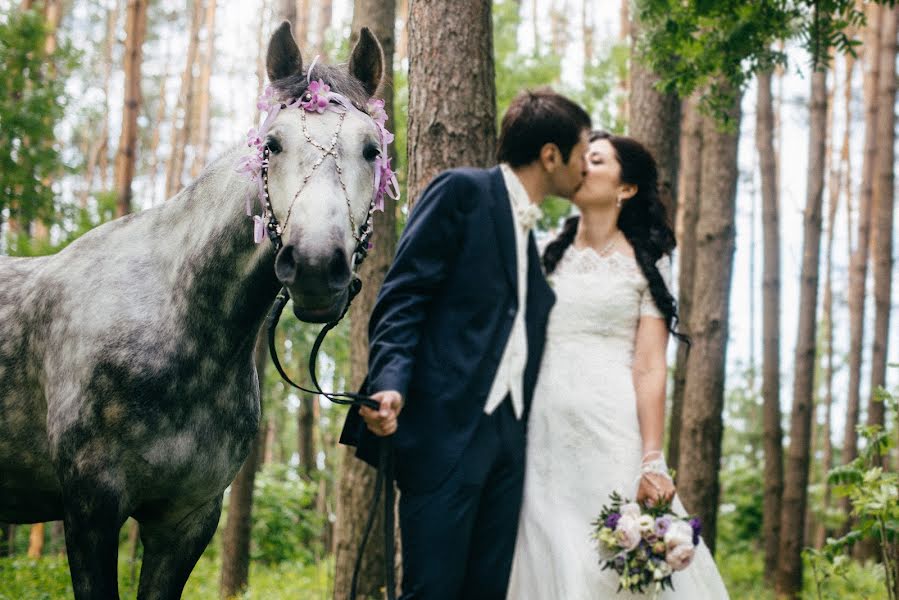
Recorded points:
(318, 282)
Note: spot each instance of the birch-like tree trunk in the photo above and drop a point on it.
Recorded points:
(773, 436)
(788, 581)
(136, 28)
(703, 401)
(356, 480)
(689, 195)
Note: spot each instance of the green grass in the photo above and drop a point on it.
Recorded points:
(48, 579)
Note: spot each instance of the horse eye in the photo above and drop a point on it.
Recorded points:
(273, 145)
(371, 151)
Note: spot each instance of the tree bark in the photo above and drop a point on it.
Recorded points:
(688, 212)
(202, 112)
(136, 27)
(356, 481)
(882, 243)
(36, 541)
(858, 262)
(182, 117)
(658, 125)
(236, 537)
(788, 582)
(703, 400)
(452, 90)
(306, 428)
(773, 436)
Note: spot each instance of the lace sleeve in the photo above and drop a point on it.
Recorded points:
(647, 304)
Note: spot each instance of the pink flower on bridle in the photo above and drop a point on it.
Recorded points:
(317, 98)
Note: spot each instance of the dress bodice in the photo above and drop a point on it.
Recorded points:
(599, 302)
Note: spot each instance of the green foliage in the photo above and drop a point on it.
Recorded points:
(32, 102)
(286, 525)
(874, 496)
(718, 45)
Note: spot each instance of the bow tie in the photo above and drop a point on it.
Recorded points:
(528, 215)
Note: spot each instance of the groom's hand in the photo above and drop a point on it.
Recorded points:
(382, 422)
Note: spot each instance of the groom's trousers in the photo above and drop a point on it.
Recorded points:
(458, 539)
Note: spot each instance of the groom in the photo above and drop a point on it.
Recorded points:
(456, 338)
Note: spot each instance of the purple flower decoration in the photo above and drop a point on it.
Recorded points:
(662, 524)
(612, 520)
(316, 97)
(267, 99)
(696, 524)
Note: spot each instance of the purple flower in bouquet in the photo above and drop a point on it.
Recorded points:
(662, 525)
(612, 520)
(696, 524)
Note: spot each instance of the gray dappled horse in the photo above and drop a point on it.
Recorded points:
(127, 383)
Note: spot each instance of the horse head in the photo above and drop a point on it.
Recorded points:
(325, 155)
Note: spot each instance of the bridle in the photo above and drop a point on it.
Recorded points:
(362, 236)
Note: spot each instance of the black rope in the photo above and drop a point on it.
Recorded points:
(385, 472)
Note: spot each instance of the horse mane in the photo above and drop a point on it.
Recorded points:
(337, 78)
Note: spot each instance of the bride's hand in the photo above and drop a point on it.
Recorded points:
(655, 488)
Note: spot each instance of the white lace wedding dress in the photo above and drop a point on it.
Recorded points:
(583, 436)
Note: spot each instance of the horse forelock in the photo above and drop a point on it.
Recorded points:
(337, 78)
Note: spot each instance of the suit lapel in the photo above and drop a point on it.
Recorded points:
(538, 287)
(501, 212)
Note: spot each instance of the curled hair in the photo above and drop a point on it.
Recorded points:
(643, 220)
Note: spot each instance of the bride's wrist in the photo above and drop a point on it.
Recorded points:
(654, 463)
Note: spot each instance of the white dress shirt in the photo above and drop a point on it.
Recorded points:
(509, 377)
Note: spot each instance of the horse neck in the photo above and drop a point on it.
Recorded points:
(225, 282)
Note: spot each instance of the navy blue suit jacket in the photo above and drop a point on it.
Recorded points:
(442, 319)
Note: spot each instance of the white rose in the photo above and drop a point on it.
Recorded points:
(680, 556)
(627, 532)
(631, 509)
(647, 523)
(679, 534)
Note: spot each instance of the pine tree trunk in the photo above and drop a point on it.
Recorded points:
(112, 18)
(202, 112)
(236, 537)
(136, 28)
(157, 130)
(658, 125)
(36, 541)
(703, 400)
(356, 481)
(306, 428)
(452, 92)
(882, 243)
(325, 15)
(858, 262)
(789, 574)
(4, 536)
(773, 436)
(287, 11)
(687, 213)
(182, 117)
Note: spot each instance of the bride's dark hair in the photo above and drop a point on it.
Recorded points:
(643, 221)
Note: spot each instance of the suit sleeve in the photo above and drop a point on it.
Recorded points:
(423, 258)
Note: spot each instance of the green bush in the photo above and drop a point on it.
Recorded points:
(286, 526)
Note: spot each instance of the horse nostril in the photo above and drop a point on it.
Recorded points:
(286, 265)
(339, 268)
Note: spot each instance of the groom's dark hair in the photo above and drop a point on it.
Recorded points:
(539, 117)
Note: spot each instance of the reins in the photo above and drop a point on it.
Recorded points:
(362, 235)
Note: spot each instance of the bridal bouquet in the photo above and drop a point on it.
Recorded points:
(645, 546)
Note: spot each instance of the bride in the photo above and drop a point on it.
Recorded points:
(598, 415)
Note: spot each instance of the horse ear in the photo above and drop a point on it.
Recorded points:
(283, 58)
(367, 61)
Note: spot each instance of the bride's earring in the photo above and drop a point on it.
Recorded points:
(619, 201)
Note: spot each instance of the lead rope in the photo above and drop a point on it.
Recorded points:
(385, 472)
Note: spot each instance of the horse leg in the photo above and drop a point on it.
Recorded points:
(92, 521)
(172, 546)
